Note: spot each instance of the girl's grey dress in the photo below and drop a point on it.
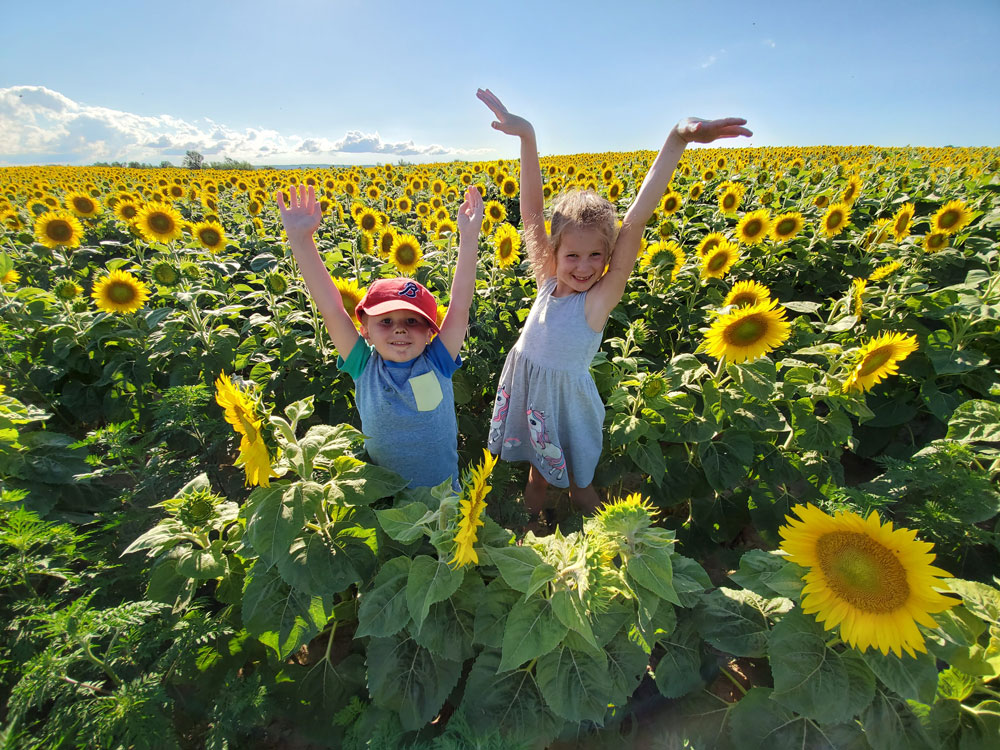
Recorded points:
(547, 408)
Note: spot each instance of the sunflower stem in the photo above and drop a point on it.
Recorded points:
(733, 680)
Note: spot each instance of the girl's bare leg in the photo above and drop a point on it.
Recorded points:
(585, 498)
(535, 492)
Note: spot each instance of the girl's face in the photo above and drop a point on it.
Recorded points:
(399, 336)
(580, 260)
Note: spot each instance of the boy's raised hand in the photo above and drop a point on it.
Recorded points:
(697, 130)
(470, 213)
(505, 122)
(302, 216)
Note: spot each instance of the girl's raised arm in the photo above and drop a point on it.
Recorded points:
(532, 202)
(608, 291)
(301, 219)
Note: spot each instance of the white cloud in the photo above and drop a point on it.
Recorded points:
(41, 126)
(769, 43)
(712, 59)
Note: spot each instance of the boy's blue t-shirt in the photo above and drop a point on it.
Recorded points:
(408, 411)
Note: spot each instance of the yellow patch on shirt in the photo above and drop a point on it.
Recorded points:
(426, 391)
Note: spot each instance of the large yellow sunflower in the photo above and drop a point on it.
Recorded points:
(158, 222)
(901, 221)
(350, 295)
(884, 270)
(58, 228)
(747, 333)
(877, 583)
(670, 202)
(471, 507)
(935, 241)
(785, 226)
(663, 255)
(367, 220)
(508, 187)
(835, 219)
(119, 292)
(406, 254)
(241, 414)
(747, 293)
(708, 242)
(507, 242)
(951, 217)
(858, 286)
(730, 197)
(210, 235)
(716, 262)
(126, 210)
(753, 227)
(852, 190)
(879, 358)
(82, 205)
(495, 211)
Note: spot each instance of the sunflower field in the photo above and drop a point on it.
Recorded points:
(798, 545)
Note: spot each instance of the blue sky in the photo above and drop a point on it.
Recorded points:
(304, 81)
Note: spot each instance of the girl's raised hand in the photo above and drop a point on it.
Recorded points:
(505, 122)
(302, 216)
(470, 213)
(694, 129)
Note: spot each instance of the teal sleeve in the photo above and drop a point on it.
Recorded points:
(355, 363)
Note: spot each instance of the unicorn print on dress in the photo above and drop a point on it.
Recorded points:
(500, 407)
(552, 454)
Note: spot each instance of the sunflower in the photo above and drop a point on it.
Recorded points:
(210, 235)
(126, 210)
(747, 293)
(753, 227)
(615, 190)
(165, 273)
(158, 222)
(366, 219)
(884, 270)
(879, 358)
(659, 254)
(786, 226)
(276, 283)
(730, 197)
(350, 295)
(10, 220)
(385, 240)
(935, 241)
(65, 289)
(858, 295)
(11, 277)
(747, 333)
(716, 262)
(951, 217)
(240, 412)
(507, 242)
(509, 187)
(471, 506)
(877, 233)
(835, 219)
(875, 582)
(694, 192)
(901, 221)
(119, 292)
(406, 254)
(82, 205)
(852, 190)
(439, 317)
(821, 201)
(445, 228)
(670, 203)
(58, 228)
(709, 241)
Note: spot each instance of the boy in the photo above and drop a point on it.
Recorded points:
(401, 371)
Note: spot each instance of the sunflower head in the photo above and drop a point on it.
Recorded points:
(835, 219)
(662, 255)
(951, 217)
(119, 292)
(165, 273)
(159, 222)
(747, 333)
(935, 241)
(58, 229)
(753, 227)
(210, 235)
(786, 226)
(507, 242)
(350, 295)
(83, 205)
(747, 293)
(66, 289)
(879, 358)
(276, 283)
(716, 262)
(875, 582)
(670, 203)
(901, 221)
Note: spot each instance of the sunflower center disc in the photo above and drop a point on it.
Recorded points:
(121, 292)
(835, 219)
(785, 226)
(862, 572)
(59, 231)
(743, 300)
(406, 256)
(752, 229)
(368, 223)
(876, 359)
(161, 223)
(83, 205)
(718, 262)
(747, 331)
(948, 219)
(210, 237)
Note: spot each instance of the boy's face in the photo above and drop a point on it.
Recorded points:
(399, 336)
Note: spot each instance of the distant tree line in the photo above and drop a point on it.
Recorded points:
(192, 160)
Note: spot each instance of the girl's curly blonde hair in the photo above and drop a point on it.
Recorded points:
(583, 209)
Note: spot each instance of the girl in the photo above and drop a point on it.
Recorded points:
(548, 411)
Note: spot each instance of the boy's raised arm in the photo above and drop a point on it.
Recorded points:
(301, 219)
(609, 290)
(463, 285)
(532, 201)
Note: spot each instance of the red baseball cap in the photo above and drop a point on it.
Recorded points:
(387, 295)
